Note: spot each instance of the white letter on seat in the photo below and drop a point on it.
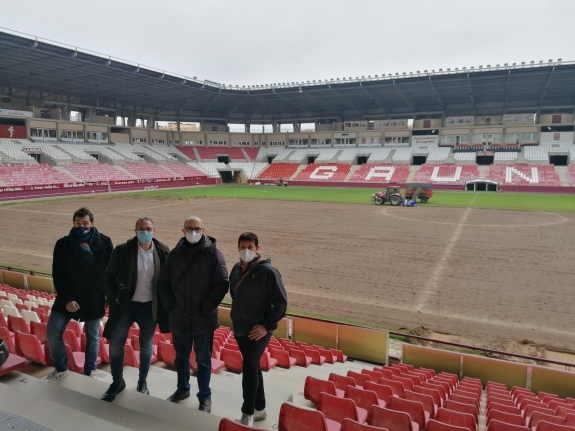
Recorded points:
(510, 170)
(318, 175)
(381, 172)
(455, 177)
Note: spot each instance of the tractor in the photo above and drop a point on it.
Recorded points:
(392, 194)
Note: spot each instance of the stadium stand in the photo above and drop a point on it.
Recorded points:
(251, 170)
(79, 154)
(378, 155)
(326, 154)
(279, 170)
(381, 173)
(99, 172)
(438, 154)
(184, 169)
(524, 175)
(301, 154)
(252, 153)
(465, 156)
(402, 155)
(503, 156)
(571, 175)
(33, 175)
(209, 168)
(170, 153)
(11, 152)
(54, 152)
(126, 151)
(188, 152)
(446, 173)
(148, 171)
(324, 172)
(282, 155)
(212, 153)
(348, 155)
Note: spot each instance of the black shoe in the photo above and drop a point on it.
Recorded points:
(114, 389)
(178, 396)
(206, 405)
(142, 387)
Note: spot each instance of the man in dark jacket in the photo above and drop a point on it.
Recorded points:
(259, 303)
(193, 282)
(131, 283)
(78, 267)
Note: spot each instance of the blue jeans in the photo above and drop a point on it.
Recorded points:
(56, 326)
(202, 344)
(141, 313)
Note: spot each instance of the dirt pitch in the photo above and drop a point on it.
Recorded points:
(502, 279)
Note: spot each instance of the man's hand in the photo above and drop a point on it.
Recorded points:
(258, 332)
(72, 306)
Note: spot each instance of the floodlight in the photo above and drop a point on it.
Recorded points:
(532, 62)
(480, 66)
(419, 71)
(425, 71)
(550, 60)
(448, 68)
(559, 59)
(505, 64)
(441, 70)
(496, 65)
(464, 68)
(488, 65)
(522, 62)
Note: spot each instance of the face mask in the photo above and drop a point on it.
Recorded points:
(144, 236)
(82, 231)
(193, 237)
(247, 255)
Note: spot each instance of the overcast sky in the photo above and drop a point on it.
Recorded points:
(250, 42)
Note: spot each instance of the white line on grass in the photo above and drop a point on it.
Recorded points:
(25, 252)
(432, 285)
(473, 200)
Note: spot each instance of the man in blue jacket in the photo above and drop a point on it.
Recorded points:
(193, 282)
(259, 303)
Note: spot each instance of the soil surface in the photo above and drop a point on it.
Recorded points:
(500, 279)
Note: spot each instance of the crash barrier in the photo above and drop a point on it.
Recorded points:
(27, 282)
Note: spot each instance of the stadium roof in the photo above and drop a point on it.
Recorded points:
(53, 73)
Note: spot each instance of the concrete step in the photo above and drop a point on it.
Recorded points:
(46, 412)
(130, 410)
(351, 172)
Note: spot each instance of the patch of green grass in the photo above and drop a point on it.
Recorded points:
(441, 198)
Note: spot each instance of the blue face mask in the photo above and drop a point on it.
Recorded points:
(144, 236)
(82, 231)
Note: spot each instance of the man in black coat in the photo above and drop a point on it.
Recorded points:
(78, 267)
(259, 303)
(193, 282)
(131, 283)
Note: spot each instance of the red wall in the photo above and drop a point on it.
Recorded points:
(13, 132)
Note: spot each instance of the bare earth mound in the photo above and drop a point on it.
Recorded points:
(491, 277)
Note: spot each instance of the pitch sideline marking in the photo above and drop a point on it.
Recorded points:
(32, 211)
(473, 200)
(562, 219)
(25, 252)
(385, 304)
(432, 284)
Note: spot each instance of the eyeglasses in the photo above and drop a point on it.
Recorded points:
(195, 229)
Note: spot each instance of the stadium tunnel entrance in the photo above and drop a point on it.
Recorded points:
(482, 186)
(232, 176)
(485, 160)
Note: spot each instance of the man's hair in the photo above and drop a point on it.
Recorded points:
(141, 219)
(248, 236)
(83, 212)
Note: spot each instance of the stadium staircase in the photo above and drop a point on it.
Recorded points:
(412, 171)
(351, 172)
(483, 170)
(68, 172)
(562, 171)
(297, 171)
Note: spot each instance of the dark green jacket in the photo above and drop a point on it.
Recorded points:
(121, 278)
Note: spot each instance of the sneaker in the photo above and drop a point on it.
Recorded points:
(260, 415)
(56, 375)
(93, 374)
(246, 420)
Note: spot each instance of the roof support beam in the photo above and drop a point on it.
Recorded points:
(544, 92)
(470, 90)
(437, 95)
(343, 100)
(411, 105)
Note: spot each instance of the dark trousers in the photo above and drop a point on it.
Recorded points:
(252, 378)
(202, 345)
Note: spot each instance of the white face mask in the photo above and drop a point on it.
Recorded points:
(193, 237)
(247, 255)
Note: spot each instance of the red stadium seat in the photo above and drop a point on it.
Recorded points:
(426, 401)
(301, 358)
(383, 392)
(267, 362)
(505, 418)
(391, 420)
(363, 398)
(232, 359)
(351, 425)
(360, 379)
(31, 348)
(295, 418)
(537, 417)
(76, 360)
(397, 387)
(283, 358)
(434, 394)
(434, 425)
(313, 387)
(413, 408)
(339, 355)
(462, 408)
(337, 409)
(455, 418)
(166, 353)
(496, 425)
(316, 358)
(341, 382)
(18, 324)
(39, 330)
